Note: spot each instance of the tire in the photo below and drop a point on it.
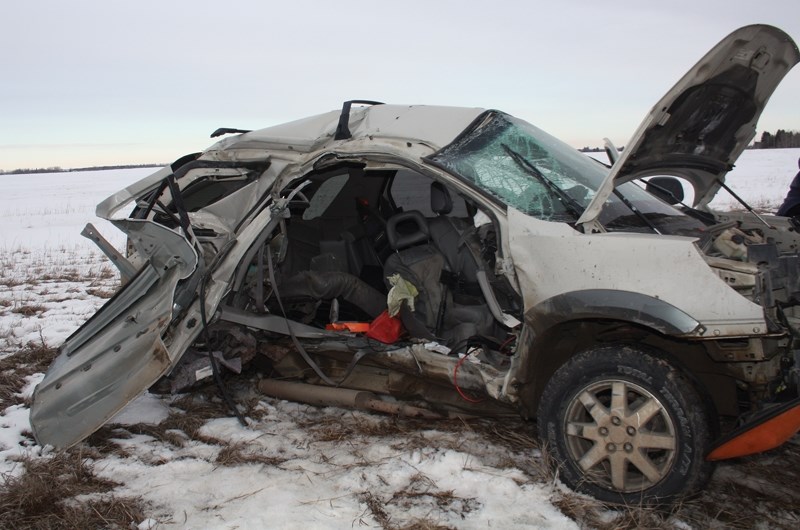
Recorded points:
(624, 425)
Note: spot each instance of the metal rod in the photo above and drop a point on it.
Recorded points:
(341, 397)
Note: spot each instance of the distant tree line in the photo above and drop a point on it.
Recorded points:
(780, 139)
(57, 169)
(587, 149)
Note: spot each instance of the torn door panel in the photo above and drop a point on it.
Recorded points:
(118, 352)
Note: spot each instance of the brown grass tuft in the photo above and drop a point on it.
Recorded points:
(14, 369)
(9, 281)
(29, 310)
(11, 384)
(421, 490)
(100, 292)
(238, 454)
(102, 442)
(188, 415)
(375, 508)
(336, 429)
(43, 496)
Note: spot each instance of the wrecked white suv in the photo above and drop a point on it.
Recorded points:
(444, 261)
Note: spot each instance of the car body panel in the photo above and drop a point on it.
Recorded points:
(114, 203)
(706, 297)
(119, 352)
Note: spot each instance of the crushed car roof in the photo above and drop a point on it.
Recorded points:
(434, 126)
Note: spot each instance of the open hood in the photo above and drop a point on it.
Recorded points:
(702, 125)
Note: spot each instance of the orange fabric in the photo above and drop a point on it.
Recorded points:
(353, 327)
(763, 437)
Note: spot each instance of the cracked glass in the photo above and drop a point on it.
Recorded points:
(529, 170)
(524, 167)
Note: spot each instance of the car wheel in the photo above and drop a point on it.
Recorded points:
(625, 425)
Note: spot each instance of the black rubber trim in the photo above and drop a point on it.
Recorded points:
(611, 304)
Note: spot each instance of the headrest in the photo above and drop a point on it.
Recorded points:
(414, 229)
(441, 202)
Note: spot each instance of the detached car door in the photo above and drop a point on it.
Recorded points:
(119, 352)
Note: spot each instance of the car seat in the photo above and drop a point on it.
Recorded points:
(435, 313)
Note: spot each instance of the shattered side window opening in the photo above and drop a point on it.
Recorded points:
(324, 196)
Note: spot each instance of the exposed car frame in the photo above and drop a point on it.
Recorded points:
(623, 322)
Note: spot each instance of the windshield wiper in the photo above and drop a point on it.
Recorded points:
(569, 203)
(636, 211)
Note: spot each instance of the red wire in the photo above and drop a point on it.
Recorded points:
(506, 343)
(455, 382)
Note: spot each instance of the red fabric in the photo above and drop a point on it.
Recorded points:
(385, 329)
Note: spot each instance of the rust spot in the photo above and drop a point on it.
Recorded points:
(160, 353)
(275, 352)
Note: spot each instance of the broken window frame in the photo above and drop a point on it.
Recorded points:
(481, 156)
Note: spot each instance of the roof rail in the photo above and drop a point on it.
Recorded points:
(343, 129)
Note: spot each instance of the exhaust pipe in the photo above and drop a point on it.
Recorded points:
(341, 397)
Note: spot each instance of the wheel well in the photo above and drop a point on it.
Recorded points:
(551, 349)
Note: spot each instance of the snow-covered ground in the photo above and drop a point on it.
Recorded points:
(298, 466)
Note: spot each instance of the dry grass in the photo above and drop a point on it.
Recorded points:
(10, 281)
(14, 369)
(11, 384)
(334, 429)
(188, 414)
(376, 510)
(100, 292)
(420, 492)
(46, 495)
(102, 442)
(241, 453)
(29, 310)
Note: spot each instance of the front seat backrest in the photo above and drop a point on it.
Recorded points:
(419, 262)
(441, 202)
(407, 229)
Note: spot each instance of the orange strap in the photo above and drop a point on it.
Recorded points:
(353, 327)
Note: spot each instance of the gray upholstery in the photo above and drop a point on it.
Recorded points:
(406, 229)
(422, 264)
(418, 262)
(449, 235)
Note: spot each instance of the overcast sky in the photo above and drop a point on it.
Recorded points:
(91, 82)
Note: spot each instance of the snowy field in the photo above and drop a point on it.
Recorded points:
(297, 466)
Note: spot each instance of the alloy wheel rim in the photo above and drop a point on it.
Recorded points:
(620, 435)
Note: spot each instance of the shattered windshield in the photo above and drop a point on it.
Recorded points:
(525, 168)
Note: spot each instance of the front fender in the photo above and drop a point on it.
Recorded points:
(538, 361)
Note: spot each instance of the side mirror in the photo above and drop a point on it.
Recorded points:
(668, 189)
